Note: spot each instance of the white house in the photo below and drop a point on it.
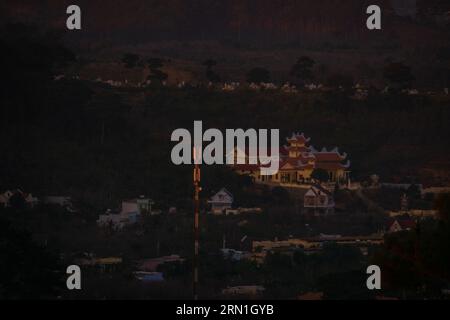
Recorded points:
(4, 198)
(129, 214)
(234, 255)
(221, 201)
(114, 220)
(141, 205)
(27, 197)
(319, 200)
(62, 201)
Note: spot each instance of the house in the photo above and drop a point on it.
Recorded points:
(62, 201)
(234, 255)
(149, 276)
(27, 197)
(4, 198)
(141, 205)
(104, 264)
(112, 219)
(297, 161)
(416, 214)
(152, 265)
(318, 200)
(400, 223)
(221, 202)
(131, 211)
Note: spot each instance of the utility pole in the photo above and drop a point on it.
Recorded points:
(197, 190)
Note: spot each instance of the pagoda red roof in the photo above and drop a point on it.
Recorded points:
(331, 166)
(329, 156)
(405, 221)
(298, 137)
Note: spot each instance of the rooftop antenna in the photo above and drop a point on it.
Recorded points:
(197, 189)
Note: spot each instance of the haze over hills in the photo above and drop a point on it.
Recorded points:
(242, 34)
(262, 22)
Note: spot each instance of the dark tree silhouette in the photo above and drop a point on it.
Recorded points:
(209, 63)
(258, 75)
(156, 74)
(155, 63)
(280, 195)
(211, 75)
(303, 69)
(320, 175)
(443, 206)
(27, 271)
(17, 201)
(398, 75)
(340, 80)
(130, 60)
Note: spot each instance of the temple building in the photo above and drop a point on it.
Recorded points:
(298, 160)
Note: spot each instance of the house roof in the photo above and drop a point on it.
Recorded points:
(223, 190)
(317, 189)
(298, 137)
(330, 166)
(405, 222)
(328, 156)
(308, 157)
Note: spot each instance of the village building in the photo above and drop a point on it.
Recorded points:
(61, 201)
(315, 244)
(400, 223)
(318, 200)
(149, 277)
(235, 255)
(4, 198)
(153, 265)
(104, 264)
(112, 220)
(141, 205)
(131, 211)
(221, 202)
(297, 162)
(28, 198)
